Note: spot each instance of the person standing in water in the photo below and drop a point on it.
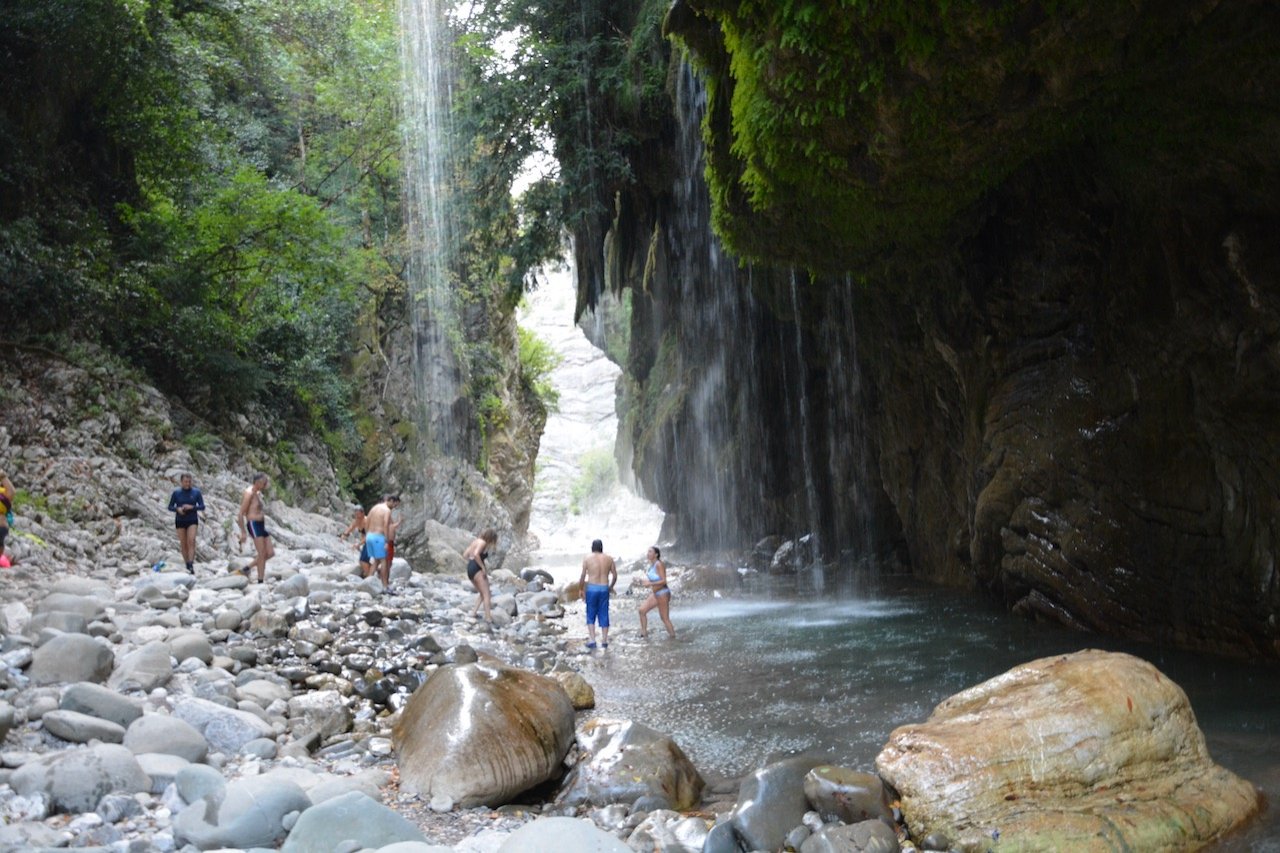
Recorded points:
(186, 503)
(659, 594)
(379, 529)
(478, 571)
(252, 521)
(599, 574)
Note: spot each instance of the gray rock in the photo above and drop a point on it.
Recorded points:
(228, 619)
(143, 669)
(6, 719)
(771, 802)
(102, 702)
(294, 586)
(248, 813)
(196, 781)
(868, 836)
(625, 761)
(226, 729)
(559, 834)
(162, 768)
(114, 808)
(76, 779)
(260, 748)
(70, 658)
(349, 817)
(168, 735)
(14, 617)
(191, 644)
(88, 608)
(263, 692)
(321, 710)
(849, 796)
(76, 727)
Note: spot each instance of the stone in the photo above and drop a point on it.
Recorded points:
(667, 831)
(479, 734)
(162, 768)
(89, 609)
(191, 644)
(560, 834)
(71, 658)
(96, 700)
(1089, 751)
(580, 692)
(77, 779)
(869, 836)
(623, 761)
(247, 813)
(7, 715)
(771, 802)
(321, 710)
(849, 796)
(143, 669)
(81, 728)
(196, 781)
(14, 617)
(349, 817)
(263, 692)
(226, 729)
(168, 735)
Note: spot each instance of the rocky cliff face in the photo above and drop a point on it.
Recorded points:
(1060, 391)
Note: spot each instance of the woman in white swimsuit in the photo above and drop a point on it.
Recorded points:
(659, 594)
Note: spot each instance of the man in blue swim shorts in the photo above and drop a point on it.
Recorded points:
(599, 574)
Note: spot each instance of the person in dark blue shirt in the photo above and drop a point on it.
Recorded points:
(186, 503)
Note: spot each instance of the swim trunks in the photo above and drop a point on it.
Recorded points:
(376, 545)
(188, 520)
(256, 529)
(597, 596)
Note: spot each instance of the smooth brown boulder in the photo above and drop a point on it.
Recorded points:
(481, 733)
(1088, 751)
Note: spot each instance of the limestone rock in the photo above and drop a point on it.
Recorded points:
(349, 817)
(1089, 751)
(625, 761)
(479, 734)
(71, 657)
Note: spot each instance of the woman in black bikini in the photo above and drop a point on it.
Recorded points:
(477, 572)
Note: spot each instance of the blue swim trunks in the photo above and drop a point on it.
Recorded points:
(256, 529)
(376, 545)
(597, 596)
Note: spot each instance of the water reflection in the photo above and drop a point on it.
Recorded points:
(750, 678)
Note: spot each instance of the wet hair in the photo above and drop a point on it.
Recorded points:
(259, 477)
(597, 547)
(657, 554)
(489, 535)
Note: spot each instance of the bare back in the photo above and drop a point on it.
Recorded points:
(378, 519)
(599, 569)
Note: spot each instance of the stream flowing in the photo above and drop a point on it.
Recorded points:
(768, 668)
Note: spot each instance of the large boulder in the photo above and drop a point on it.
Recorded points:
(480, 733)
(76, 779)
(69, 658)
(1089, 751)
(624, 761)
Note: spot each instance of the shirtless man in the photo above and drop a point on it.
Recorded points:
(599, 574)
(379, 528)
(252, 522)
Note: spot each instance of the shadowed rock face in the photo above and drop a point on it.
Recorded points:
(1090, 751)
(481, 733)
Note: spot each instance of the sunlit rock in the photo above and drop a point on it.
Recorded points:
(838, 793)
(771, 802)
(480, 733)
(580, 692)
(1089, 751)
(624, 761)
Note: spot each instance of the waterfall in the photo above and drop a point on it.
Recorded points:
(428, 133)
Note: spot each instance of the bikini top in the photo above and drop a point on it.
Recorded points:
(654, 577)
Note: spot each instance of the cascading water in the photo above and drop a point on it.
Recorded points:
(428, 132)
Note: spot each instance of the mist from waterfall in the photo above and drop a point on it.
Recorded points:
(428, 158)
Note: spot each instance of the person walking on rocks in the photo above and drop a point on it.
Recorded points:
(8, 494)
(599, 574)
(186, 503)
(359, 526)
(659, 594)
(252, 521)
(379, 528)
(477, 570)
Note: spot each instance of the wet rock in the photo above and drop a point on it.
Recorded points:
(770, 802)
(168, 735)
(1093, 750)
(76, 779)
(838, 793)
(81, 728)
(580, 692)
(870, 836)
(98, 701)
(669, 832)
(71, 658)
(623, 761)
(350, 817)
(447, 748)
